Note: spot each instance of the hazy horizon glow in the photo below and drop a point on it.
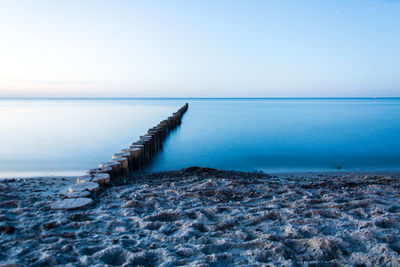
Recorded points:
(200, 49)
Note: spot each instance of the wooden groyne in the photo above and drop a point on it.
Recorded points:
(126, 161)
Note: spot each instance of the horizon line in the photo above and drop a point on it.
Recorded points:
(166, 98)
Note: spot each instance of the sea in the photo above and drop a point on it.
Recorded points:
(66, 137)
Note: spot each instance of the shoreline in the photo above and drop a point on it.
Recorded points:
(205, 217)
(278, 173)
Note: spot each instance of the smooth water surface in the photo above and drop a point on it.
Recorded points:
(287, 135)
(67, 137)
(70, 136)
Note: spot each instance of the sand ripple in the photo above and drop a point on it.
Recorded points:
(205, 217)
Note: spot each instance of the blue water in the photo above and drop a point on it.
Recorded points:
(287, 135)
(67, 137)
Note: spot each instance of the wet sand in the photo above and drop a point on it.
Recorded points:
(206, 217)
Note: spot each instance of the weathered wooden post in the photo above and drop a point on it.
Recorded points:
(177, 117)
(107, 170)
(164, 126)
(149, 140)
(154, 142)
(171, 123)
(133, 158)
(115, 165)
(127, 160)
(146, 147)
(136, 156)
(167, 125)
(124, 155)
(157, 137)
(124, 164)
(100, 178)
(142, 153)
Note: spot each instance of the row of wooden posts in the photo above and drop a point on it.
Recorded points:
(136, 155)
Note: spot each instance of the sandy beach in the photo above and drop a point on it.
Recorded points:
(206, 217)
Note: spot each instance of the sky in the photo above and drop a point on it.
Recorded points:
(208, 48)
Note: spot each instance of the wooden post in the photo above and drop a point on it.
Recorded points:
(165, 122)
(107, 170)
(162, 130)
(133, 157)
(124, 164)
(146, 154)
(142, 153)
(136, 156)
(157, 136)
(150, 143)
(100, 178)
(163, 125)
(115, 165)
(178, 117)
(171, 123)
(124, 155)
(153, 143)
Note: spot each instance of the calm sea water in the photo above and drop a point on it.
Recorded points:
(66, 137)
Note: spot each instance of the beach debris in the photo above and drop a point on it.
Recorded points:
(71, 203)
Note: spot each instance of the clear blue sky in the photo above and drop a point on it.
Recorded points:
(199, 48)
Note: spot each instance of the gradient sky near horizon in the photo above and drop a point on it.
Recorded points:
(224, 48)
